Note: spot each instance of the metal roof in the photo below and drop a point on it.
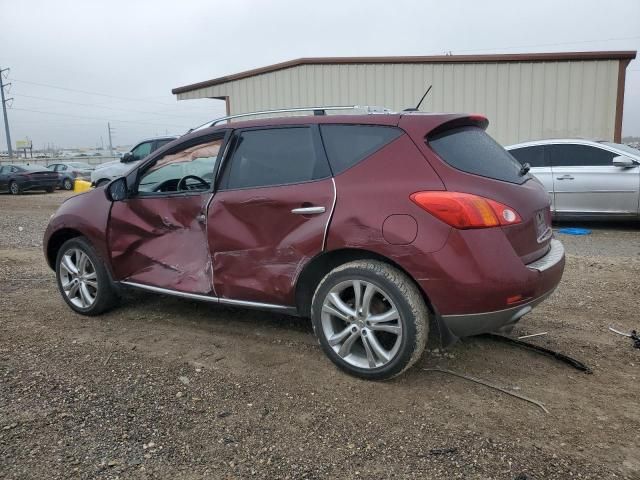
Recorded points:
(492, 58)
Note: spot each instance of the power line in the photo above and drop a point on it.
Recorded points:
(99, 118)
(99, 94)
(102, 106)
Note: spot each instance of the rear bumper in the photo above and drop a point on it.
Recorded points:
(547, 271)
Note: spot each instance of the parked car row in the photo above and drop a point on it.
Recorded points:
(18, 178)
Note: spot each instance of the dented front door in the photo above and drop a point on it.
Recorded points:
(158, 237)
(162, 242)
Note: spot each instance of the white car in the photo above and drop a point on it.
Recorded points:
(585, 179)
(106, 172)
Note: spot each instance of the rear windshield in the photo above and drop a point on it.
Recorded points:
(471, 150)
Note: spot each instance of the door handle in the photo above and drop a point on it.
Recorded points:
(565, 177)
(308, 210)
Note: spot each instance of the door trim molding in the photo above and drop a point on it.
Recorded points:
(210, 299)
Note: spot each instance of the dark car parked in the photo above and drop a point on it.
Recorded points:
(19, 178)
(372, 225)
(68, 172)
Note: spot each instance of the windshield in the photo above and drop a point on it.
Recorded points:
(625, 148)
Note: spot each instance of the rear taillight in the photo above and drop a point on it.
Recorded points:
(464, 210)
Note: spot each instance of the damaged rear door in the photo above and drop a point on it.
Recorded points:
(270, 213)
(158, 236)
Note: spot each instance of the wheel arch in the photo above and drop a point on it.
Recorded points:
(319, 266)
(56, 241)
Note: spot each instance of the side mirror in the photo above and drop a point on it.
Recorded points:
(116, 190)
(622, 161)
(127, 157)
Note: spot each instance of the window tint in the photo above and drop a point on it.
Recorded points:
(471, 150)
(568, 155)
(141, 151)
(276, 156)
(190, 169)
(346, 145)
(534, 156)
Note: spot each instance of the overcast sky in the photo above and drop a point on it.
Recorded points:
(117, 61)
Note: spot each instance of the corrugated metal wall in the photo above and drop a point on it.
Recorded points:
(523, 100)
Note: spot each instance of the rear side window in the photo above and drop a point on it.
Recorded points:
(277, 156)
(346, 145)
(472, 150)
(534, 156)
(568, 155)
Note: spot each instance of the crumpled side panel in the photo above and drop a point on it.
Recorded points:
(258, 246)
(159, 242)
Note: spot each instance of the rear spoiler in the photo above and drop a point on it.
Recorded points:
(421, 126)
(473, 120)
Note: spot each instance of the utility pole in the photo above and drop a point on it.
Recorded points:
(4, 111)
(110, 144)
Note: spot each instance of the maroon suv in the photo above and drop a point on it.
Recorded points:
(378, 227)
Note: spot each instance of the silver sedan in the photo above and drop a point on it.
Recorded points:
(585, 179)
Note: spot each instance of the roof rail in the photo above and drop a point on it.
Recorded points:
(320, 110)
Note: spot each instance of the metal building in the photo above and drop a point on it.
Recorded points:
(525, 96)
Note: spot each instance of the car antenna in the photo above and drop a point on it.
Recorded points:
(417, 107)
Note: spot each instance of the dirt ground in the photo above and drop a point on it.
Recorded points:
(169, 388)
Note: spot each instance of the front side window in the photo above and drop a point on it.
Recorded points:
(188, 170)
(141, 151)
(570, 155)
(534, 156)
(276, 156)
(472, 150)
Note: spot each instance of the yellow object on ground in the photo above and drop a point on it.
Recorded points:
(81, 186)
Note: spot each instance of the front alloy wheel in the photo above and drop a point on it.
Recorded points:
(82, 278)
(67, 184)
(78, 278)
(370, 319)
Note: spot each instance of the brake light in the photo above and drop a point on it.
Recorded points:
(464, 210)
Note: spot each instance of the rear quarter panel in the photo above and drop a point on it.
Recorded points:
(378, 187)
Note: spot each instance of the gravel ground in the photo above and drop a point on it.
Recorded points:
(167, 388)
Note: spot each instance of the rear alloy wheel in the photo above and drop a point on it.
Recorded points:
(82, 278)
(14, 188)
(67, 184)
(370, 319)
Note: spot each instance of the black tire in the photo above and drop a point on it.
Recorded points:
(394, 287)
(101, 182)
(106, 296)
(67, 184)
(14, 188)
(50, 189)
